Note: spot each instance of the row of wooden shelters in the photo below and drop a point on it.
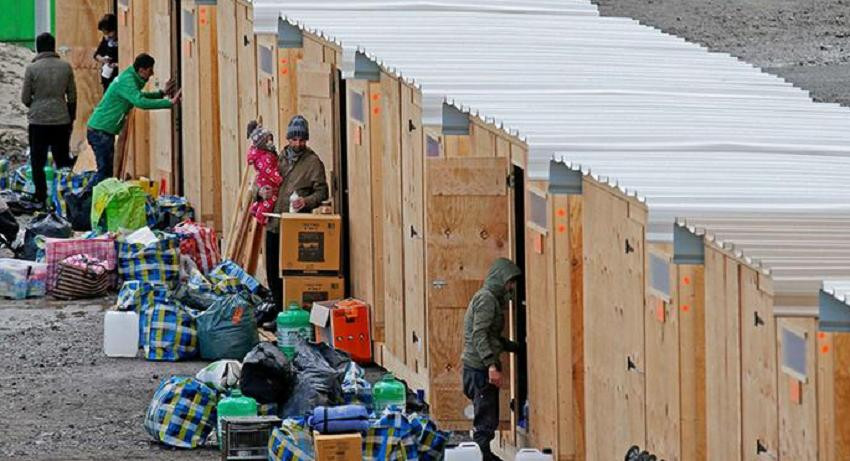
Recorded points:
(680, 215)
(628, 344)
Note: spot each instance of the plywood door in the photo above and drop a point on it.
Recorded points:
(210, 207)
(467, 228)
(386, 112)
(315, 103)
(77, 39)
(246, 58)
(798, 402)
(190, 109)
(139, 163)
(360, 242)
(691, 312)
(758, 369)
(162, 126)
(662, 365)
(413, 228)
(229, 116)
(723, 358)
(541, 325)
(267, 83)
(613, 316)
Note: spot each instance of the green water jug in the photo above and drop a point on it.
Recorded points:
(388, 391)
(293, 323)
(235, 404)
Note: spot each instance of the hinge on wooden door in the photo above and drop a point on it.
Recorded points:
(758, 320)
(511, 181)
(439, 284)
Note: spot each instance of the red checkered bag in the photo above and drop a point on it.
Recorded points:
(199, 243)
(57, 250)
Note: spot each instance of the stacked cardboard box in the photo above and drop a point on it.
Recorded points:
(310, 258)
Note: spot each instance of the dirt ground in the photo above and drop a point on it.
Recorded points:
(13, 114)
(62, 399)
(807, 42)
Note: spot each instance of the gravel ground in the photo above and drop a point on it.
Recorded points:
(13, 114)
(807, 42)
(62, 399)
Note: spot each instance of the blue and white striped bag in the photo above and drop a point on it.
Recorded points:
(182, 412)
(156, 262)
(170, 333)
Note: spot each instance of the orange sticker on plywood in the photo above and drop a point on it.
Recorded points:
(660, 312)
(538, 244)
(796, 388)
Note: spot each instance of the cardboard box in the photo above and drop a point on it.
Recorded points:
(345, 326)
(338, 447)
(310, 243)
(308, 289)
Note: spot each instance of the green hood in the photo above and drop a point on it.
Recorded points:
(501, 272)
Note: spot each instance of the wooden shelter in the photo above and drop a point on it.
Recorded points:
(151, 141)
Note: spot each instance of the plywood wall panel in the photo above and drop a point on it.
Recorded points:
(691, 312)
(613, 257)
(77, 37)
(663, 430)
(267, 83)
(413, 229)
(758, 368)
(798, 406)
(191, 111)
(228, 64)
(246, 56)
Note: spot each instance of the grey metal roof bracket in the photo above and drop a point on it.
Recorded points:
(564, 180)
(455, 122)
(289, 35)
(365, 68)
(834, 315)
(688, 248)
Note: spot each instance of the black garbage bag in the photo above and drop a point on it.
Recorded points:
(78, 205)
(267, 376)
(18, 203)
(226, 330)
(47, 225)
(318, 383)
(266, 312)
(8, 228)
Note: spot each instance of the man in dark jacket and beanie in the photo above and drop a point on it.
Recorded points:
(50, 94)
(483, 345)
(303, 174)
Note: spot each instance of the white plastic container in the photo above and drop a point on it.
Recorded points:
(532, 454)
(292, 199)
(121, 333)
(466, 451)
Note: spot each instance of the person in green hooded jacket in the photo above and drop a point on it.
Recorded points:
(123, 95)
(483, 345)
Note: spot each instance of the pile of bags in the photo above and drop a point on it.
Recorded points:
(309, 393)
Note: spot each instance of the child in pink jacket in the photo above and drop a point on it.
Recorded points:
(262, 155)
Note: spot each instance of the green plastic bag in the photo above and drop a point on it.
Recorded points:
(227, 329)
(117, 205)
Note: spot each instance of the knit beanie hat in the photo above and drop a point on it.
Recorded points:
(260, 137)
(298, 128)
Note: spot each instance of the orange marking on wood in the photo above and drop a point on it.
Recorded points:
(284, 71)
(822, 335)
(376, 96)
(660, 313)
(283, 60)
(562, 228)
(685, 308)
(376, 110)
(686, 280)
(562, 212)
(824, 349)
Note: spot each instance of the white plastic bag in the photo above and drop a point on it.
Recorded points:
(221, 375)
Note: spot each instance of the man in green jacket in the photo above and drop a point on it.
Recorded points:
(109, 116)
(483, 345)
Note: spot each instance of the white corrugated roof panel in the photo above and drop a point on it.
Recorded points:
(699, 136)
